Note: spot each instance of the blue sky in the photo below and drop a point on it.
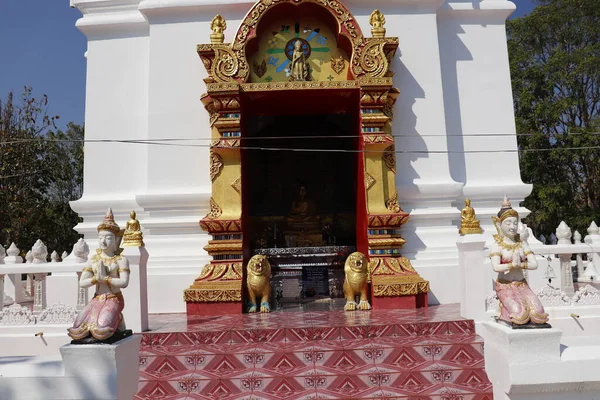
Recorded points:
(42, 48)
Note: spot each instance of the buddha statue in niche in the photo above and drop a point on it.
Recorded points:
(303, 208)
(303, 223)
(299, 67)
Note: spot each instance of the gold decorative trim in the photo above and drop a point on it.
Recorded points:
(224, 247)
(392, 266)
(391, 279)
(297, 85)
(392, 203)
(216, 165)
(237, 185)
(389, 158)
(219, 272)
(215, 211)
(214, 294)
(401, 289)
(386, 243)
(211, 296)
(369, 181)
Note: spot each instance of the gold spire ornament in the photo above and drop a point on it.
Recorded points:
(218, 26)
(377, 21)
(132, 237)
(469, 225)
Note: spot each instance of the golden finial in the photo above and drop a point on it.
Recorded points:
(218, 26)
(468, 223)
(377, 21)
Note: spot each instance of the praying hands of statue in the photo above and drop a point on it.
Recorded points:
(102, 271)
(516, 261)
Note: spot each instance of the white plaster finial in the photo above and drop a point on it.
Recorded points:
(81, 251)
(29, 257)
(54, 256)
(577, 237)
(64, 255)
(13, 250)
(593, 229)
(39, 251)
(563, 233)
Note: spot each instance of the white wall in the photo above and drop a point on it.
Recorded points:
(145, 81)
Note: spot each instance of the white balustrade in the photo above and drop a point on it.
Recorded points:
(555, 264)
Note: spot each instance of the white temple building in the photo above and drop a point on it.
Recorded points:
(144, 81)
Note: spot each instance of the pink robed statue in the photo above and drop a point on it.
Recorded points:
(101, 320)
(519, 305)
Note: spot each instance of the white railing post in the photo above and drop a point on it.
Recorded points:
(14, 287)
(563, 235)
(577, 240)
(39, 253)
(60, 285)
(39, 293)
(1, 291)
(593, 265)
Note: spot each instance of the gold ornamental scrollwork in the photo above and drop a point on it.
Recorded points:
(389, 158)
(237, 185)
(373, 61)
(369, 181)
(215, 211)
(221, 272)
(392, 266)
(225, 65)
(216, 165)
(392, 203)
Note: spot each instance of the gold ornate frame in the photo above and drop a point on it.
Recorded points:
(221, 281)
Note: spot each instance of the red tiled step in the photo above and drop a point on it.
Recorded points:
(395, 354)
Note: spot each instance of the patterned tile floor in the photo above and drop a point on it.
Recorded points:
(423, 354)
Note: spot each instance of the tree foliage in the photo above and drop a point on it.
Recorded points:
(555, 68)
(41, 169)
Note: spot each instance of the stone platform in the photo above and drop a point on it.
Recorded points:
(320, 353)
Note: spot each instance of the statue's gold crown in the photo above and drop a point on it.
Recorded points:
(506, 210)
(109, 224)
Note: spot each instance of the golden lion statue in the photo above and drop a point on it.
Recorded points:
(355, 283)
(259, 283)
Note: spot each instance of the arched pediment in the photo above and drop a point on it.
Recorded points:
(238, 61)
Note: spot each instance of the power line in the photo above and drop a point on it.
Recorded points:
(146, 141)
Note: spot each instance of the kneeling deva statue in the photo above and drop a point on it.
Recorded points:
(101, 320)
(519, 306)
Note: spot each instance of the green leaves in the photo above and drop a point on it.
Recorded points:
(555, 68)
(41, 169)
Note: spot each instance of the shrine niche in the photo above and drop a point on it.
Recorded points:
(278, 60)
(299, 70)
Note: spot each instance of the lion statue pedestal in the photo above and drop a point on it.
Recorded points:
(258, 282)
(356, 282)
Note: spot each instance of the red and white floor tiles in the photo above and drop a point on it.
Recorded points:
(424, 354)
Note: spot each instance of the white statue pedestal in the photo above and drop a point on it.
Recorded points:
(90, 372)
(473, 285)
(527, 364)
(135, 313)
(103, 371)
